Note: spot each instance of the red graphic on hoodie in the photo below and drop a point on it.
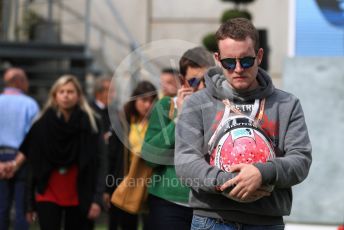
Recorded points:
(217, 120)
(270, 127)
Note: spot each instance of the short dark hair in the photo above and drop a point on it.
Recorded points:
(196, 58)
(170, 71)
(238, 29)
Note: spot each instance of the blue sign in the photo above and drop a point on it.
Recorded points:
(319, 28)
(333, 11)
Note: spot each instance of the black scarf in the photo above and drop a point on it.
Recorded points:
(62, 141)
(53, 143)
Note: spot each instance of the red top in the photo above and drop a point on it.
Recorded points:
(62, 187)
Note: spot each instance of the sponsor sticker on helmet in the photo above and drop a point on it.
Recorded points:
(242, 132)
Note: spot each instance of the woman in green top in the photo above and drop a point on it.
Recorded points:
(168, 198)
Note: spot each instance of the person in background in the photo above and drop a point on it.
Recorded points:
(168, 198)
(250, 194)
(17, 114)
(127, 138)
(102, 89)
(104, 93)
(169, 82)
(65, 153)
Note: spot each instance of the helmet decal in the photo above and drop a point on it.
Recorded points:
(239, 139)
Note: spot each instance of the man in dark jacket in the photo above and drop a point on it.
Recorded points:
(102, 88)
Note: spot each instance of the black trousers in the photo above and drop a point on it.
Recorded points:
(165, 215)
(121, 219)
(52, 217)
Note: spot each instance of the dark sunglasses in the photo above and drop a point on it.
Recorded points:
(194, 82)
(230, 63)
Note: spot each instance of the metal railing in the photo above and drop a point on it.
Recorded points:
(107, 37)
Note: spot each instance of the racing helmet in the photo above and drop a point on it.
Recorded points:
(239, 140)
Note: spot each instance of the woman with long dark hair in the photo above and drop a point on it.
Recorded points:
(64, 149)
(126, 141)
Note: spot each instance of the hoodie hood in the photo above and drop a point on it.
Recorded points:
(218, 86)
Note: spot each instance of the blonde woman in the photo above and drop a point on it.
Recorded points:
(64, 149)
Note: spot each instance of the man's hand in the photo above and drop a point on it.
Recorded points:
(2, 170)
(246, 184)
(31, 217)
(107, 200)
(256, 195)
(182, 93)
(11, 168)
(106, 137)
(94, 211)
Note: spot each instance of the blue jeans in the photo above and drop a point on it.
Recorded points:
(13, 190)
(204, 223)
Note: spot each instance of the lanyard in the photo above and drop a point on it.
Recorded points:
(229, 106)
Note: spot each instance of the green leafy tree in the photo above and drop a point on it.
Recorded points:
(209, 41)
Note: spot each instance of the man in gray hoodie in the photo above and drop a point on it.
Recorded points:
(241, 82)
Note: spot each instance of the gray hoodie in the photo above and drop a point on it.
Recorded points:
(283, 121)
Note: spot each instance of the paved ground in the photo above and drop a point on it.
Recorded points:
(309, 227)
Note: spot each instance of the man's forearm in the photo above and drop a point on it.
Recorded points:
(19, 160)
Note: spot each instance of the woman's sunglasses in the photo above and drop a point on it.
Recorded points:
(230, 63)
